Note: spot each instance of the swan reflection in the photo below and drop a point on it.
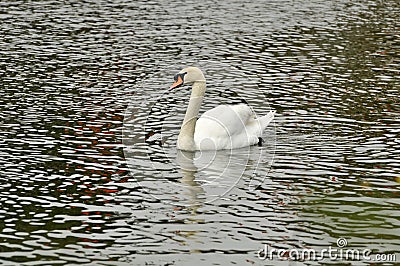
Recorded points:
(210, 175)
(189, 178)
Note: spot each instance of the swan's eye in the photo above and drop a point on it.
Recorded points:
(178, 80)
(182, 75)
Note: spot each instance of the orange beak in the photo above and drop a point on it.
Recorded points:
(177, 83)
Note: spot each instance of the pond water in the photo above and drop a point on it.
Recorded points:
(83, 89)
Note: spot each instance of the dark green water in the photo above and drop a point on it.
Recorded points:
(69, 71)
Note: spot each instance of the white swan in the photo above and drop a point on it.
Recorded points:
(223, 127)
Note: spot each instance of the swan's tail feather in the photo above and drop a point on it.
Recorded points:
(266, 119)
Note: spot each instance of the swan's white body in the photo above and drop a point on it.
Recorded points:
(223, 127)
(229, 127)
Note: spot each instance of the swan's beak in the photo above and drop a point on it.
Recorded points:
(178, 82)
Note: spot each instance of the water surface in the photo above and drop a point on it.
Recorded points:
(71, 71)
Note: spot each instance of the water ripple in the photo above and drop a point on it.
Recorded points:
(70, 70)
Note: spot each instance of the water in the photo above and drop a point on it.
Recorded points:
(71, 72)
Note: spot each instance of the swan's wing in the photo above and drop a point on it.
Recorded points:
(229, 126)
(243, 111)
(224, 120)
(254, 130)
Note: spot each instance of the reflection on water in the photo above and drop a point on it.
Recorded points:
(70, 76)
(194, 178)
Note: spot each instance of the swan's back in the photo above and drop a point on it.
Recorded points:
(224, 120)
(227, 127)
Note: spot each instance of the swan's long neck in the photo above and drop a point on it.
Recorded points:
(186, 135)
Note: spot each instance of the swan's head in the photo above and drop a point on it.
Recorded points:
(188, 75)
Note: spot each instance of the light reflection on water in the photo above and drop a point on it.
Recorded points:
(69, 72)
